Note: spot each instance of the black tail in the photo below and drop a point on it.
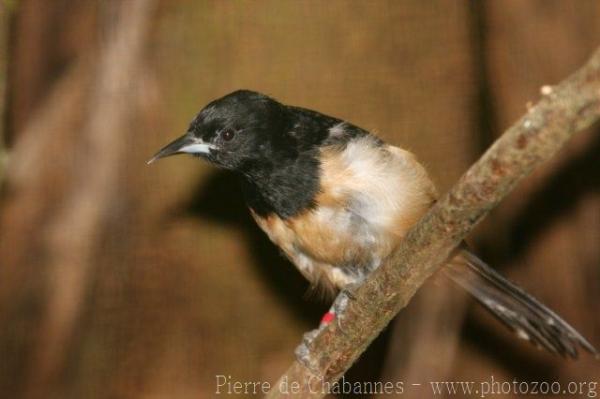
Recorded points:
(529, 318)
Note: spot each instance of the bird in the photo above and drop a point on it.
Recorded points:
(337, 200)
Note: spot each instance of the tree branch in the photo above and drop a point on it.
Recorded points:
(563, 110)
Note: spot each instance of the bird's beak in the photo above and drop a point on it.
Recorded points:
(186, 144)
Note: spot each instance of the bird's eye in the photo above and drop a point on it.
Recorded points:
(227, 135)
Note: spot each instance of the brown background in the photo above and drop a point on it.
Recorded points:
(121, 280)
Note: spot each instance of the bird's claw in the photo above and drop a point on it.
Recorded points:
(337, 309)
(303, 351)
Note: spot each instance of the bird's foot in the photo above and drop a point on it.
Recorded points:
(303, 351)
(336, 312)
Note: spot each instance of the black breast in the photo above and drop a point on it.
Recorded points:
(289, 184)
(285, 189)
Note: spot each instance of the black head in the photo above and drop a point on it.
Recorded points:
(275, 147)
(240, 131)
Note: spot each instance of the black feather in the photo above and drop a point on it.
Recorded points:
(517, 309)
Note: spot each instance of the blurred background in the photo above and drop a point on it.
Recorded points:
(122, 280)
